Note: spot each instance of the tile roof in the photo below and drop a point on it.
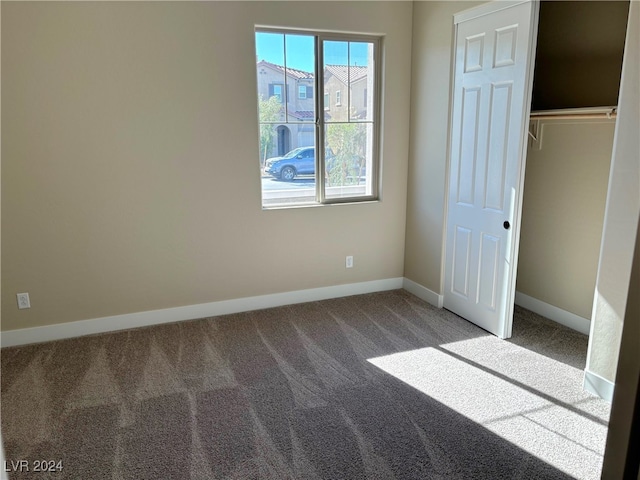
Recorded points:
(342, 73)
(299, 74)
(303, 114)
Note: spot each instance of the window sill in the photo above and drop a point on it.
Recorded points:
(316, 205)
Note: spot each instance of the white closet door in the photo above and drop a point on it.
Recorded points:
(494, 52)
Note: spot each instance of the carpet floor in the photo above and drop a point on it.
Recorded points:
(377, 386)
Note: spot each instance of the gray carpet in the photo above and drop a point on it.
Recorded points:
(377, 386)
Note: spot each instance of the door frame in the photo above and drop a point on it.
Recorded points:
(516, 221)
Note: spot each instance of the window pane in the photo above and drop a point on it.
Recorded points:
(285, 65)
(361, 80)
(300, 59)
(349, 130)
(336, 80)
(270, 71)
(287, 164)
(348, 160)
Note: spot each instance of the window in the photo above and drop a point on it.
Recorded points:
(341, 142)
(276, 91)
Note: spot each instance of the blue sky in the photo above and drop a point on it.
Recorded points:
(300, 55)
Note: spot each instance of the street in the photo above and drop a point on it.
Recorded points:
(270, 184)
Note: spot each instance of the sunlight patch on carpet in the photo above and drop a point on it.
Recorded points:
(485, 380)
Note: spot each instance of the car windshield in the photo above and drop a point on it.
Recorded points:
(293, 153)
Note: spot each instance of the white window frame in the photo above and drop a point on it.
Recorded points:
(302, 92)
(338, 98)
(321, 108)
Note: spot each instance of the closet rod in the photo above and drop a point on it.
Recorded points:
(573, 115)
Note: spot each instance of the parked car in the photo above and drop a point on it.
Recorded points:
(299, 161)
(302, 161)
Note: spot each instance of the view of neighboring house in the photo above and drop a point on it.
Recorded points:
(296, 94)
(337, 104)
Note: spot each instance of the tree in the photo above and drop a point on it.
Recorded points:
(269, 111)
(347, 143)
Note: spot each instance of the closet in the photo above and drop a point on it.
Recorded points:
(575, 91)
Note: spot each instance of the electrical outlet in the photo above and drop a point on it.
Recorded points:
(349, 261)
(23, 300)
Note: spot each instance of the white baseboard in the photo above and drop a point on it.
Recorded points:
(142, 319)
(422, 292)
(594, 383)
(556, 314)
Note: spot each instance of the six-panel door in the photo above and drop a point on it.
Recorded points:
(491, 97)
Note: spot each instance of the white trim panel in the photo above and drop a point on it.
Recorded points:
(594, 383)
(169, 315)
(563, 317)
(422, 292)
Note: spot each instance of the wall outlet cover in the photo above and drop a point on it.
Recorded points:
(23, 300)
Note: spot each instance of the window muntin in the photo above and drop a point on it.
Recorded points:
(344, 139)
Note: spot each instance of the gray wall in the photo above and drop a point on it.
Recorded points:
(565, 189)
(560, 271)
(130, 177)
(430, 79)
